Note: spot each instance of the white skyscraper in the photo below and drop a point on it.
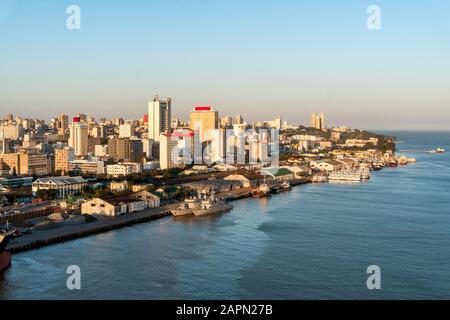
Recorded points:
(78, 139)
(159, 117)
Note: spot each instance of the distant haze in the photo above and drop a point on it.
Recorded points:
(259, 59)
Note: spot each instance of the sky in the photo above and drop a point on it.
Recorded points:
(257, 58)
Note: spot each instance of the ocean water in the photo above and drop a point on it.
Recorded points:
(314, 242)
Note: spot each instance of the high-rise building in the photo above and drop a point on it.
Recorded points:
(62, 122)
(9, 117)
(204, 120)
(318, 121)
(62, 158)
(238, 119)
(82, 117)
(13, 132)
(159, 117)
(78, 139)
(226, 122)
(126, 150)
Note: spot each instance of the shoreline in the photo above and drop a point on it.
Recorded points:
(65, 233)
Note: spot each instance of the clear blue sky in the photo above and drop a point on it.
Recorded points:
(257, 58)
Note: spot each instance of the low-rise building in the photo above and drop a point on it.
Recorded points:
(113, 206)
(91, 166)
(15, 182)
(152, 200)
(140, 187)
(299, 170)
(246, 178)
(123, 169)
(64, 185)
(278, 174)
(119, 186)
(327, 165)
(361, 143)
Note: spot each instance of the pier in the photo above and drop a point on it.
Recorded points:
(39, 239)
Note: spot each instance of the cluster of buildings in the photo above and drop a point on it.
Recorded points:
(64, 153)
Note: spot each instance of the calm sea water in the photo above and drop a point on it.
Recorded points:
(312, 243)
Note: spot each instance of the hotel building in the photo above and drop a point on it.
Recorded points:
(78, 139)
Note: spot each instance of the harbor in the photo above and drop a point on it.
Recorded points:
(204, 204)
(277, 247)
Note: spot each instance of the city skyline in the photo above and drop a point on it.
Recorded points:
(270, 61)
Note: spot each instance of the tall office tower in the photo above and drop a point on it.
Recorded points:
(9, 117)
(159, 117)
(277, 123)
(82, 117)
(318, 121)
(226, 122)
(63, 122)
(78, 139)
(322, 121)
(175, 149)
(204, 120)
(238, 119)
(126, 150)
(62, 158)
(126, 130)
(313, 123)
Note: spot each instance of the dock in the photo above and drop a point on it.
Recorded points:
(39, 239)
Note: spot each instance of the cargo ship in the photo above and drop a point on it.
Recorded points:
(6, 234)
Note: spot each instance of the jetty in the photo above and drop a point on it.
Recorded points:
(67, 232)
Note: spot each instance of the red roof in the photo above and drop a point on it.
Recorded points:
(76, 119)
(203, 108)
(179, 134)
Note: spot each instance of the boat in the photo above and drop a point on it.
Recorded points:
(6, 234)
(262, 192)
(345, 176)
(365, 173)
(402, 161)
(212, 205)
(319, 178)
(187, 207)
(285, 186)
(440, 150)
